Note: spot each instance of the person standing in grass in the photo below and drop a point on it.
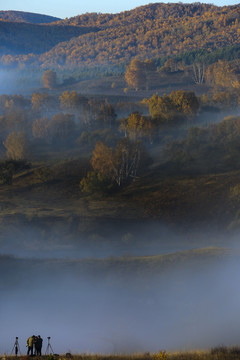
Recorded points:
(38, 345)
(30, 345)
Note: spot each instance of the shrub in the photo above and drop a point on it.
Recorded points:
(43, 174)
(95, 182)
(161, 355)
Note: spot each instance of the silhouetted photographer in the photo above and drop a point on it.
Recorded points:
(16, 347)
(30, 342)
(38, 345)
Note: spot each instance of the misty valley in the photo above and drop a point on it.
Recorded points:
(120, 183)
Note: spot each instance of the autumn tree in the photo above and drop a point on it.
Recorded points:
(106, 116)
(49, 79)
(72, 101)
(17, 146)
(18, 121)
(137, 126)
(224, 99)
(223, 74)
(95, 182)
(101, 114)
(213, 147)
(43, 102)
(162, 110)
(179, 105)
(170, 65)
(40, 129)
(61, 127)
(136, 74)
(185, 102)
(15, 103)
(121, 164)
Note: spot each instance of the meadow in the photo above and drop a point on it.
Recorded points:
(218, 353)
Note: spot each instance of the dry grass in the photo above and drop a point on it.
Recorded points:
(219, 353)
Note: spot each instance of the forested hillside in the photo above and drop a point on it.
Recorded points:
(21, 16)
(151, 31)
(32, 39)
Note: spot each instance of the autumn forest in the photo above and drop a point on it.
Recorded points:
(119, 150)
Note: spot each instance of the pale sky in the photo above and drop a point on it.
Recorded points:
(69, 8)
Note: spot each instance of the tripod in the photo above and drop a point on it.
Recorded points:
(16, 347)
(49, 347)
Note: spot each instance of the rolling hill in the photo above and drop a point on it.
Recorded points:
(21, 16)
(22, 38)
(151, 31)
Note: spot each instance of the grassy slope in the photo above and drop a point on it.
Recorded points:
(174, 199)
(220, 353)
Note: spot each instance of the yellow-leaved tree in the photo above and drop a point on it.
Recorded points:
(49, 79)
(136, 75)
(118, 165)
(17, 146)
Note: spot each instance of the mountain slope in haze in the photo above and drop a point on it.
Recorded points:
(21, 38)
(22, 16)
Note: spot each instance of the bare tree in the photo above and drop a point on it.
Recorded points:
(199, 70)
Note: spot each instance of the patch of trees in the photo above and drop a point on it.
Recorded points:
(224, 74)
(115, 166)
(59, 129)
(203, 56)
(90, 138)
(220, 99)
(206, 149)
(69, 119)
(137, 126)
(175, 107)
(9, 167)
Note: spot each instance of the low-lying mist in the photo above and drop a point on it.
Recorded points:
(104, 238)
(15, 81)
(122, 304)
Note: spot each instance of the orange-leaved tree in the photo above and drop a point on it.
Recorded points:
(49, 79)
(17, 146)
(118, 165)
(136, 74)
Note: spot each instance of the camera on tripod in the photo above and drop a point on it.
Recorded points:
(49, 349)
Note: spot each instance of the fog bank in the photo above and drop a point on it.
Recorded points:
(188, 301)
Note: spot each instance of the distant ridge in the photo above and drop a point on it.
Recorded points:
(151, 31)
(27, 17)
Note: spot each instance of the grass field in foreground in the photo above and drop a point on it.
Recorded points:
(218, 353)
